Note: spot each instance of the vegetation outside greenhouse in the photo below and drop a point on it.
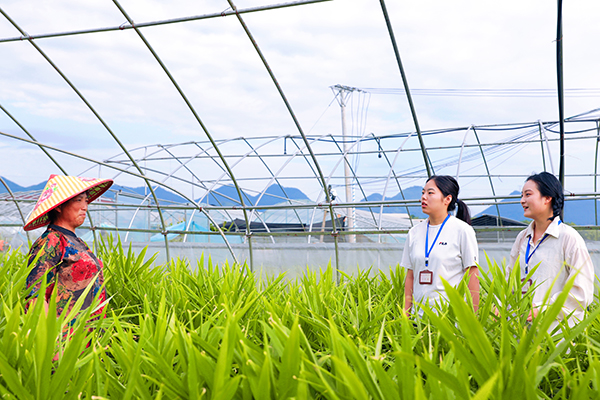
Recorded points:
(224, 333)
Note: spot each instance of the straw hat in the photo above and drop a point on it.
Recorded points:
(60, 189)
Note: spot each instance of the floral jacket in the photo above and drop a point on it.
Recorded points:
(71, 267)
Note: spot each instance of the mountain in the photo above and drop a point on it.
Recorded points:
(18, 188)
(224, 195)
(579, 212)
(161, 193)
(228, 196)
(411, 193)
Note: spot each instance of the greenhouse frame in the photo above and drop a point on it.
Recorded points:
(238, 198)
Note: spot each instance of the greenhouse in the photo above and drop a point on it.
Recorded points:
(268, 163)
(348, 193)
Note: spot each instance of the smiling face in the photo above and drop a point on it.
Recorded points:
(535, 206)
(433, 201)
(72, 213)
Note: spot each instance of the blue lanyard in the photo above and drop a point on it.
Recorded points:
(527, 255)
(427, 252)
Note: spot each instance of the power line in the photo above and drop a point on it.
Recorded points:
(575, 92)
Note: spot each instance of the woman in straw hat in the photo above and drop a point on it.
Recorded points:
(68, 262)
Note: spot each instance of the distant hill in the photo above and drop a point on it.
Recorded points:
(224, 195)
(161, 193)
(228, 196)
(411, 193)
(579, 212)
(18, 188)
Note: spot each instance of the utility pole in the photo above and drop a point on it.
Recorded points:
(343, 93)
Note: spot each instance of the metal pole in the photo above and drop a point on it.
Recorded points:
(342, 90)
(561, 105)
(596, 173)
(406, 89)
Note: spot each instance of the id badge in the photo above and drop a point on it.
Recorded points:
(426, 277)
(526, 285)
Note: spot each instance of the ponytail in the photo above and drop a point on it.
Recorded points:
(449, 187)
(462, 211)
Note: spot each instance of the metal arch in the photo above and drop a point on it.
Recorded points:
(461, 151)
(131, 174)
(92, 109)
(242, 158)
(344, 157)
(488, 173)
(137, 209)
(543, 129)
(32, 138)
(209, 190)
(391, 171)
(16, 204)
(297, 123)
(167, 176)
(184, 165)
(186, 100)
(89, 215)
(268, 185)
(299, 151)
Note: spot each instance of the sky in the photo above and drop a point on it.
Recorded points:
(443, 44)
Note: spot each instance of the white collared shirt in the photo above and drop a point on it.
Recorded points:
(561, 255)
(453, 253)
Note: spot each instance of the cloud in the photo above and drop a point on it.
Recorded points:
(460, 44)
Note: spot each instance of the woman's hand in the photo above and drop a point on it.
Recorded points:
(408, 291)
(534, 313)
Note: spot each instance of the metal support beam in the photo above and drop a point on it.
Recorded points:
(428, 166)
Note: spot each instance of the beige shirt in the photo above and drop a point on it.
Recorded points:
(562, 255)
(454, 251)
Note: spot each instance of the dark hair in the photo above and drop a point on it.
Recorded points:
(449, 187)
(549, 186)
(52, 215)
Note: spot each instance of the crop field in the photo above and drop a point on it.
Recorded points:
(180, 332)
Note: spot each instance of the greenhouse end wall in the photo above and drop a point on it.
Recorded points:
(295, 259)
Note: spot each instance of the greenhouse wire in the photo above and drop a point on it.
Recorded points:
(93, 110)
(161, 22)
(383, 150)
(577, 92)
(197, 117)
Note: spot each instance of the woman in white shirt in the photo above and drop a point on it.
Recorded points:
(557, 247)
(443, 246)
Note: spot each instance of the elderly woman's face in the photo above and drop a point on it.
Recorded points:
(72, 213)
